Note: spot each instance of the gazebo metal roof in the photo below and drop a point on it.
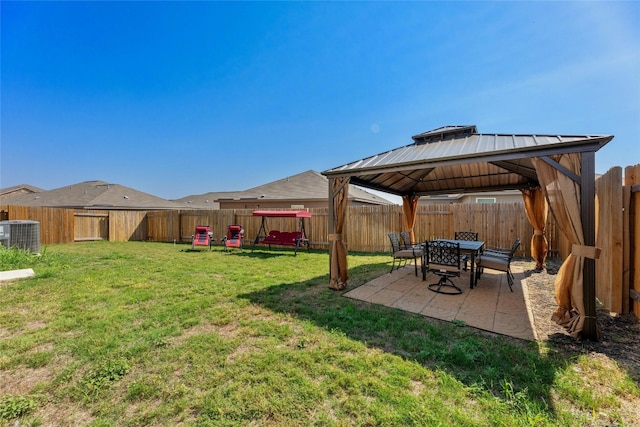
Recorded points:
(458, 159)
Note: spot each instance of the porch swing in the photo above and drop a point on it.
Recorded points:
(282, 238)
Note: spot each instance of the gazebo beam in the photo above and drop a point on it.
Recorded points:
(567, 172)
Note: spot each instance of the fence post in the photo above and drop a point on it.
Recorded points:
(632, 179)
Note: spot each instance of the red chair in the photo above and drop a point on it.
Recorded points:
(202, 237)
(233, 239)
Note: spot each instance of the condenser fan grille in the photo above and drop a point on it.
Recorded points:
(20, 234)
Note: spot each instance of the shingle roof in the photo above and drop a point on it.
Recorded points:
(19, 189)
(93, 195)
(309, 185)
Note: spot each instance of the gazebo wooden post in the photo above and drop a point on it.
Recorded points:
(587, 213)
(331, 229)
(409, 208)
(338, 200)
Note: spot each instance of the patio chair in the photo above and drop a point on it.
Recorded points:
(499, 261)
(202, 236)
(233, 239)
(443, 259)
(465, 235)
(402, 256)
(405, 237)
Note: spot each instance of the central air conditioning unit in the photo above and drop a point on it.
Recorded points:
(21, 235)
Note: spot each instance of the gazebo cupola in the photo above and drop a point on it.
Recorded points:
(444, 133)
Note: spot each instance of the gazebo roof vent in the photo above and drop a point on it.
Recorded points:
(444, 132)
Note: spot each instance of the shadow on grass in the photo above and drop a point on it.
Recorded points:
(507, 368)
(263, 252)
(260, 254)
(195, 250)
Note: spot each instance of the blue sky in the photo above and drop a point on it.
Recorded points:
(175, 99)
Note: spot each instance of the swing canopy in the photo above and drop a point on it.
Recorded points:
(283, 214)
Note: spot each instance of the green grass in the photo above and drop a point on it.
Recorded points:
(156, 334)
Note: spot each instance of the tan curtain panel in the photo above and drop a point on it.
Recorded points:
(563, 196)
(339, 267)
(410, 210)
(536, 207)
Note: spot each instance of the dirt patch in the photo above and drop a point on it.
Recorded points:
(23, 380)
(62, 414)
(619, 334)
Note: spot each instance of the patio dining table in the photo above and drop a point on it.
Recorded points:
(472, 248)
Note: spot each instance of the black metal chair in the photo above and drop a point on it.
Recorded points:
(466, 235)
(443, 259)
(499, 261)
(405, 238)
(401, 255)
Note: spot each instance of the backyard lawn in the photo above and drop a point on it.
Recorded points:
(140, 333)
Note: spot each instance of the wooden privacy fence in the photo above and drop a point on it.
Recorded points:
(366, 229)
(367, 226)
(56, 224)
(617, 229)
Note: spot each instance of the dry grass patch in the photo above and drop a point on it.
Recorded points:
(24, 380)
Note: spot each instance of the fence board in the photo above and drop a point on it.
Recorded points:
(91, 225)
(319, 226)
(609, 239)
(163, 226)
(127, 226)
(627, 307)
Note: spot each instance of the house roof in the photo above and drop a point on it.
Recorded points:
(93, 195)
(19, 189)
(309, 185)
(206, 200)
(457, 159)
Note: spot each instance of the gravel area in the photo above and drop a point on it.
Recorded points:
(619, 334)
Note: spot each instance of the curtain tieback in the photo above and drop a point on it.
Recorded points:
(335, 237)
(583, 251)
(538, 232)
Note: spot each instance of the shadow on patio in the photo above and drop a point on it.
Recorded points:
(489, 306)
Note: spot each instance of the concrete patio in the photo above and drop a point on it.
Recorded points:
(489, 306)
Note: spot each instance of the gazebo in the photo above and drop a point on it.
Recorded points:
(552, 171)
